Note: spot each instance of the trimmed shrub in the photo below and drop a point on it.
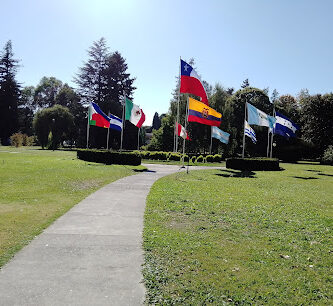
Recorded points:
(193, 159)
(217, 158)
(186, 158)
(16, 140)
(209, 158)
(175, 156)
(250, 164)
(328, 156)
(199, 159)
(109, 158)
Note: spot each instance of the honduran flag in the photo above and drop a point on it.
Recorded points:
(190, 82)
(200, 112)
(284, 126)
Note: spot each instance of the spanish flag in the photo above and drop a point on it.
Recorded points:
(200, 112)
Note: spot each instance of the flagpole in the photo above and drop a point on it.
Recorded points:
(88, 126)
(107, 139)
(211, 139)
(123, 122)
(268, 142)
(138, 139)
(185, 131)
(178, 102)
(244, 131)
(274, 115)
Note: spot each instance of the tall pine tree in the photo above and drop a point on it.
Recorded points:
(9, 94)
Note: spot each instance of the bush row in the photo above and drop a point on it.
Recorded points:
(109, 158)
(251, 164)
(170, 156)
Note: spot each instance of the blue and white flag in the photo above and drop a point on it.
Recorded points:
(284, 126)
(115, 123)
(250, 132)
(257, 117)
(220, 135)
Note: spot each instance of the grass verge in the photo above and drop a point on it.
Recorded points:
(38, 186)
(225, 236)
(179, 163)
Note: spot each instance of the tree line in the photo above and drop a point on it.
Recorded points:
(54, 111)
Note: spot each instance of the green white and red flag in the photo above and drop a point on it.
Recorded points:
(134, 113)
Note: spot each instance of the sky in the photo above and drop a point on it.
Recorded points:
(284, 45)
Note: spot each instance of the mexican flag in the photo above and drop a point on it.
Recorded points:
(134, 113)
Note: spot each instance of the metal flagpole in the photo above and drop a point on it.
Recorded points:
(88, 125)
(185, 130)
(271, 154)
(138, 139)
(244, 131)
(268, 142)
(179, 80)
(107, 139)
(123, 121)
(211, 139)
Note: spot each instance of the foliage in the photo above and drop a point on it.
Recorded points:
(209, 158)
(217, 158)
(200, 159)
(240, 238)
(328, 156)
(109, 158)
(9, 93)
(316, 119)
(253, 164)
(162, 139)
(289, 106)
(38, 186)
(56, 120)
(46, 92)
(19, 139)
(156, 122)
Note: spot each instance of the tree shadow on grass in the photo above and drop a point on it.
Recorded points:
(306, 178)
(325, 174)
(234, 173)
(313, 170)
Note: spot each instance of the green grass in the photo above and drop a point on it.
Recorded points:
(223, 236)
(38, 186)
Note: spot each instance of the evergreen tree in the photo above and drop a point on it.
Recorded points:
(245, 84)
(156, 122)
(9, 94)
(26, 110)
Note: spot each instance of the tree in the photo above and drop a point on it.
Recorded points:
(56, 122)
(156, 122)
(103, 79)
(245, 84)
(317, 118)
(46, 92)
(275, 96)
(288, 105)
(9, 93)
(26, 110)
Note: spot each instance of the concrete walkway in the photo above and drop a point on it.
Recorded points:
(92, 255)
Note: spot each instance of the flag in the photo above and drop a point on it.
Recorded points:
(258, 117)
(115, 123)
(134, 113)
(190, 82)
(97, 117)
(182, 132)
(200, 112)
(250, 132)
(284, 126)
(220, 135)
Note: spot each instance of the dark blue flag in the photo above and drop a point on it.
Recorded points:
(284, 126)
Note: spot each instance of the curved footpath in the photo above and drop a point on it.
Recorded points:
(92, 255)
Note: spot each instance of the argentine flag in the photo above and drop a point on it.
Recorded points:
(220, 135)
(257, 117)
(284, 126)
(249, 132)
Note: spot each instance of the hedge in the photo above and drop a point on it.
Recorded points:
(250, 164)
(109, 158)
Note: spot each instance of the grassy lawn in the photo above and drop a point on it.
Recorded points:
(221, 236)
(38, 186)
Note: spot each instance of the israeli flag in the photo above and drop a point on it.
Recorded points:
(220, 135)
(249, 132)
(284, 126)
(257, 117)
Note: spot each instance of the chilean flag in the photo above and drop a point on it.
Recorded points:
(190, 82)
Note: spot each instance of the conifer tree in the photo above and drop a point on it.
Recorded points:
(9, 93)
